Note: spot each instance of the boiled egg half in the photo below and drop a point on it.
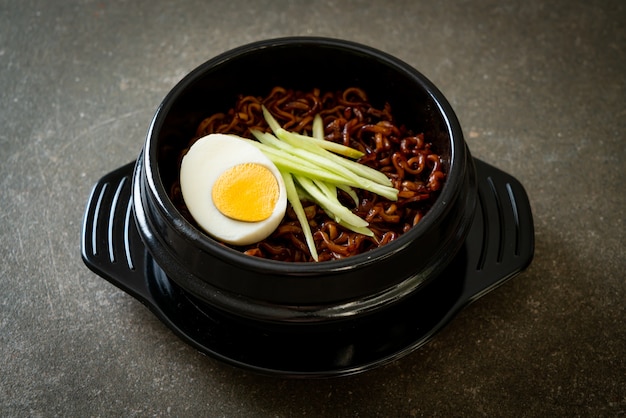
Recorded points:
(232, 190)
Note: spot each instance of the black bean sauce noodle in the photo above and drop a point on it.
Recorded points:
(405, 157)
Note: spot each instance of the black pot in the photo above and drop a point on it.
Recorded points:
(247, 310)
(284, 291)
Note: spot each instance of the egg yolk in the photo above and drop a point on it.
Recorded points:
(246, 192)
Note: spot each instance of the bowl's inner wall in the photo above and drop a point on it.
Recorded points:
(215, 87)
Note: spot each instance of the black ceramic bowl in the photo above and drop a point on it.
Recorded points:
(266, 290)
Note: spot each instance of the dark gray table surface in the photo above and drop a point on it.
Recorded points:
(540, 90)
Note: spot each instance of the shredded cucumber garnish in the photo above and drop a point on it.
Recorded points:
(296, 204)
(317, 168)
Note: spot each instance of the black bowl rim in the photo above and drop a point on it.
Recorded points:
(226, 254)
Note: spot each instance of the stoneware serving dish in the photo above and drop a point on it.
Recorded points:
(306, 319)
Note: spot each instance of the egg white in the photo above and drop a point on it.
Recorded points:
(205, 161)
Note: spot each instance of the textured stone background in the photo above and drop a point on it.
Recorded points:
(540, 90)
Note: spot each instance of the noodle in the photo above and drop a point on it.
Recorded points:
(405, 157)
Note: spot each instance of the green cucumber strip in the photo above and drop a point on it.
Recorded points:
(318, 127)
(357, 168)
(324, 164)
(320, 195)
(317, 138)
(296, 204)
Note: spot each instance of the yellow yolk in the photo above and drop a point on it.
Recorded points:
(246, 192)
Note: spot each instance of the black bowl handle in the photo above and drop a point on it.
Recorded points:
(111, 246)
(500, 243)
